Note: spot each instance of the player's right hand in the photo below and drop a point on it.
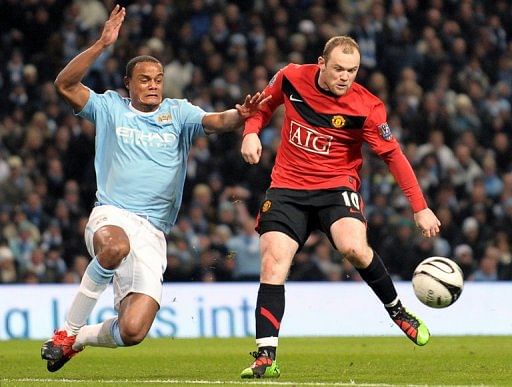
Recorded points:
(251, 148)
(113, 25)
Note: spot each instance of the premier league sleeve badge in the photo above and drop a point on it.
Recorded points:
(385, 131)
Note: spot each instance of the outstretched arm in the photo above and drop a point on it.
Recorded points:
(403, 173)
(232, 119)
(68, 82)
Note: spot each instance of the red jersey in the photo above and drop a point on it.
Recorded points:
(322, 135)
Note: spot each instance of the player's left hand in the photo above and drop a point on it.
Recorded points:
(252, 104)
(112, 26)
(427, 222)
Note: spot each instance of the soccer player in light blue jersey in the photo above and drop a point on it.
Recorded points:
(142, 146)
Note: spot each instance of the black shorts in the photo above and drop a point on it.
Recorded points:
(299, 212)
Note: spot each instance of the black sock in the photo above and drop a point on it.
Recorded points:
(378, 278)
(269, 310)
(268, 351)
(395, 309)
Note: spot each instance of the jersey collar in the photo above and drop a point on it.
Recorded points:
(142, 113)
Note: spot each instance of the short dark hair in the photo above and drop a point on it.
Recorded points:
(346, 42)
(139, 59)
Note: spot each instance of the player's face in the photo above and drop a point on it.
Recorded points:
(145, 86)
(339, 71)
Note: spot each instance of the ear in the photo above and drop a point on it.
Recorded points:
(127, 82)
(321, 63)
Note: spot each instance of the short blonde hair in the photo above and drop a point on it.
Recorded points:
(346, 42)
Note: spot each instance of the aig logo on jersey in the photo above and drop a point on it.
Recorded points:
(309, 139)
(385, 131)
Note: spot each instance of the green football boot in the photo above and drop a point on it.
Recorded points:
(412, 326)
(262, 367)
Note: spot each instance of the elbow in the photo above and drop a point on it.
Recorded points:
(216, 123)
(59, 85)
(64, 86)
(390, 154)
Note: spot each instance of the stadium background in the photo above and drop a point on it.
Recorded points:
(443, 68)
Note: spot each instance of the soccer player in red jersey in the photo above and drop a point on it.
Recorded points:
(315, 183)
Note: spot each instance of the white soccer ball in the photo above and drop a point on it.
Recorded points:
(437, 282)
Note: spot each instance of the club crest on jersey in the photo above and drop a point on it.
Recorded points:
(338, 121)
(385, 131)
(164, 118)
(266, 206)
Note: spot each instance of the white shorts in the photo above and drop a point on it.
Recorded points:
(142, 270)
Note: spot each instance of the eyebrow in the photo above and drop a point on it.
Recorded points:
(345, 68)
(149, 76)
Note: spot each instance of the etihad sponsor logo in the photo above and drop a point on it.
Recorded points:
(309, 139)
(136, 136)
(338, 121)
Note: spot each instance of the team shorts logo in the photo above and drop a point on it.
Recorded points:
(266, 206)
(338, 121)
(103, 219)
(309, 139)
(385, 131)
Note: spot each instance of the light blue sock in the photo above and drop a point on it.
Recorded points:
(116, 333)
(98, 274)
(94, 281)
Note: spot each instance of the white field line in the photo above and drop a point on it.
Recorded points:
(205, 382)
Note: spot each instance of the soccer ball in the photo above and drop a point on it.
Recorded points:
(437, 282)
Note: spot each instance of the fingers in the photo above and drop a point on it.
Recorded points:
(257, 99)
(114, 10)
(429, 232)
(251, 159)
(264, 100)
(117, 13)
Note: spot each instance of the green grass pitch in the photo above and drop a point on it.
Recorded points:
(312, 361)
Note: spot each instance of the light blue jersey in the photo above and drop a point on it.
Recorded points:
(141, 158)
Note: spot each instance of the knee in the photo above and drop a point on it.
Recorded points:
(111, 247)
(116, 250)
(359, 255)
(132, 333)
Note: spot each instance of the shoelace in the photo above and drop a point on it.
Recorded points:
(413, 320)
(261, 359)
(62, 338)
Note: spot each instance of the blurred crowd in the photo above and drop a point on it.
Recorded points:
(443, 68)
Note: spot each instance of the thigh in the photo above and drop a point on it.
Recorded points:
(142, 270)
(284, 211)
(277, 252)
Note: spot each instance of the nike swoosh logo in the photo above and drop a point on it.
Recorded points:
(293, 99)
